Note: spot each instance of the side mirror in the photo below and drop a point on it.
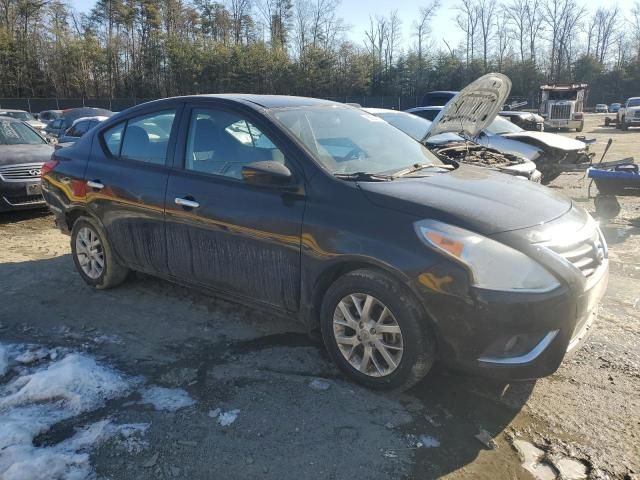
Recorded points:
(51, 140)
(266, 174)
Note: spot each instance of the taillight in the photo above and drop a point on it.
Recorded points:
(578, 115)
(48, 166)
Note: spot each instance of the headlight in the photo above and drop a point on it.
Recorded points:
(492, 265)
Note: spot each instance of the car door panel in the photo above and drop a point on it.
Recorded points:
(242, 239)
(128, 196)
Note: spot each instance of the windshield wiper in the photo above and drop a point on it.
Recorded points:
(363, 177)
(419, 166)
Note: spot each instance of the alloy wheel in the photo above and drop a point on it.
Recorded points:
(89, 252)
(368, 335)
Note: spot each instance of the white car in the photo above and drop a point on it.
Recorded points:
(601, 108)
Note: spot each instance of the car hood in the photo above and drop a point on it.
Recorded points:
(474, 107)
(549, 139)
(474, 198)
(17, 154)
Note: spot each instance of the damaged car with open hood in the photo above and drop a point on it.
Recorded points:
(551, 153)
(326, 214)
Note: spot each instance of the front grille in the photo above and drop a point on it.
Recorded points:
(20, 173)
(637, 114)
(562, 112)
(23, 199)
(586, 255)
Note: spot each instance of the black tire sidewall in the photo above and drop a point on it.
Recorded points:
(88, 223)
(419, 351)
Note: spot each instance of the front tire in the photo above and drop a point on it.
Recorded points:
(93, 256)
(375, 331)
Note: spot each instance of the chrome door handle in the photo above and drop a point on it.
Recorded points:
(94, 184)
(185, 202)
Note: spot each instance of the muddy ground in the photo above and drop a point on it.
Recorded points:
(229, 357)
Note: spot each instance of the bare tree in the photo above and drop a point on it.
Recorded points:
(486, 12)
(467, 20)
(516, 15)
(563, 18)
(240, 13)
(635, 27)
(600, 31)
(422, 26)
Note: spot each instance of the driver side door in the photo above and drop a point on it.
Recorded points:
(222, 233)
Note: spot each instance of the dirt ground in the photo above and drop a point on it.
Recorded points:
(229, 357)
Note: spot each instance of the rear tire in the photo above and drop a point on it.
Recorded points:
(407, 340)
(93, 256)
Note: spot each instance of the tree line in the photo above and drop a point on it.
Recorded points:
(150, 48)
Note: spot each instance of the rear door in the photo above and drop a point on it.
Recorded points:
(222, 232)
(126, 183)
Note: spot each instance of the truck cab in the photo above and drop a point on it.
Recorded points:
(561, 105)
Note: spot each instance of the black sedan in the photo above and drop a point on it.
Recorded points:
(327, 214)
(22, 153)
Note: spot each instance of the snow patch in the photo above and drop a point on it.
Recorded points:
(43, 395)
(167, 399)
(427, 441)
(227, 418)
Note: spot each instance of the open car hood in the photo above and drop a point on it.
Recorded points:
(473, 108)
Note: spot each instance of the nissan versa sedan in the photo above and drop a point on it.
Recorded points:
(325, 213)
(22, 153)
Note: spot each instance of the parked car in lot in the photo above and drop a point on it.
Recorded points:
(25, 117)
(449, 146)
(57, 127)
(548, 151)
(601, 108)
(79, 127)
(325, 213)
(437, 98)
(614, 107)
(525, 120)
(47, 116)
(629, 114)
(22, 153)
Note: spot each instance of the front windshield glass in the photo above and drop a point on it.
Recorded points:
(412, 125)
(15, 133)
(634, 102)
(501, 125)
(24, 116)
(349, 140)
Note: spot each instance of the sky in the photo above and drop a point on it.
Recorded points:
(356, 14)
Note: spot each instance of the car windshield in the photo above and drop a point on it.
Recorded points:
(501, 125)
(634, 102)
(15, 133)
(24, 116)
(349, 140)
(412, 125)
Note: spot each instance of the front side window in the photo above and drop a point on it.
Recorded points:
(16, 133)
(348, 140)
(146, 138)
(221, 143)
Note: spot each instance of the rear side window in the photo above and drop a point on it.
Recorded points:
(113, 138)
(78, 129)
(144, 138)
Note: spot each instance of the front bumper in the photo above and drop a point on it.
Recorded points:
(556, 322)
(22, 195)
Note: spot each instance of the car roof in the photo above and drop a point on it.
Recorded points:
(264, 101)
(98, 118)
(442, 91)
(375, 111)
(12, 110)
